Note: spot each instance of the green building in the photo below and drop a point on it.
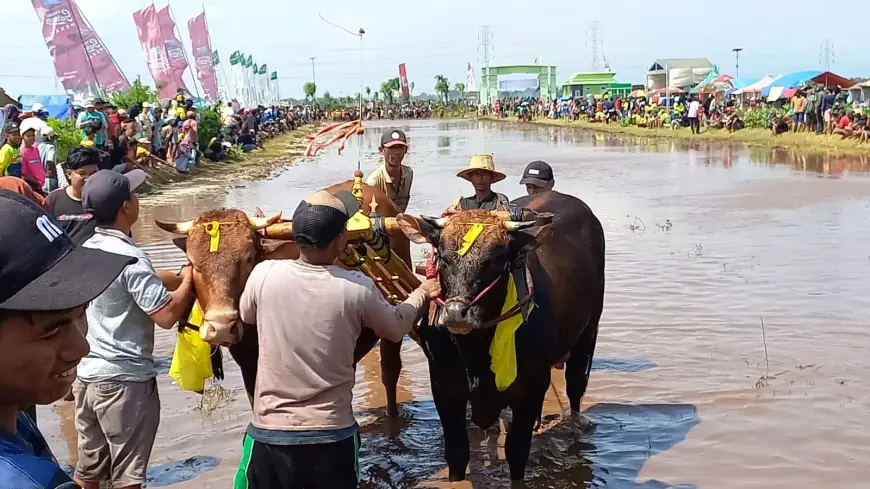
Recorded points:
(596, 83)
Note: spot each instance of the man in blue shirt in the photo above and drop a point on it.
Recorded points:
(43, 294)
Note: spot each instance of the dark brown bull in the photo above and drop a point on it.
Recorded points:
(565, 260)
(219, 280)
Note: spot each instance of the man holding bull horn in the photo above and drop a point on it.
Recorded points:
(304, 433)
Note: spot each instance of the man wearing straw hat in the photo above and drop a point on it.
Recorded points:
(482, 174)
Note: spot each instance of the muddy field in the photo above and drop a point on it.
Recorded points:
(705, 243)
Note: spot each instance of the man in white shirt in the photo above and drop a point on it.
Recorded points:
(303, 433)
(694, 108)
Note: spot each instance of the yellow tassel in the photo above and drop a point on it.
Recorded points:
(469, 238)
(214, 231)
(503, 348)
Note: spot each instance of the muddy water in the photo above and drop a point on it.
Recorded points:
(689, 389)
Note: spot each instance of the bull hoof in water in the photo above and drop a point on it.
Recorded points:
(578, 421)
(392, 412)
(519, 485)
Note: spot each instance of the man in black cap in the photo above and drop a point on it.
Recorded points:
(46, 281)
(538, 178)
(304, 433)
(393, 178)
(117, 405)
(10, 158)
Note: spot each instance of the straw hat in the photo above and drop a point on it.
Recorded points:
(481, 163)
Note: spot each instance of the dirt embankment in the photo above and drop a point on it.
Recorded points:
(803, 141)
(260, 163)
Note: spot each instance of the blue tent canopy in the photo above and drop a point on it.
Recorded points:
(58, 106)
(791, 80)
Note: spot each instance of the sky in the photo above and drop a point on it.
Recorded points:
(442, 37)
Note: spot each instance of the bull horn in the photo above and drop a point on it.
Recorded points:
(258, 223)
(281, 230)
(517, 225)
(437, 222)
(181, 228)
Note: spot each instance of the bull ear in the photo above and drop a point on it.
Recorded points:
(278, 250)
(527, 240)
(181, 243)
(418, 230)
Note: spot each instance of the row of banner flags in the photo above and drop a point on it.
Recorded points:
(85, 67)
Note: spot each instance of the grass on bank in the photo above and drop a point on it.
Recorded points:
(803, 141)
(259, 163)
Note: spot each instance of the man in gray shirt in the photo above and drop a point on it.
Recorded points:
(309, 314)
(117, 405)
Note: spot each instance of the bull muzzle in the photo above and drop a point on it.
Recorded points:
(455, 317)
(221, 328)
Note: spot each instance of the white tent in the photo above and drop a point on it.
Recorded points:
(757, 86)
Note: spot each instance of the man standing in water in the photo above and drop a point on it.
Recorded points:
(538, 177)
(393, 178)
(482, 174)
(303, 434)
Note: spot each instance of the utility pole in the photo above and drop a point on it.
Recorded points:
(826, 56)
(313, 77)
(484, 49)
(737, 62)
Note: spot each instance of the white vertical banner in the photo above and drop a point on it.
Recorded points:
(470, 85)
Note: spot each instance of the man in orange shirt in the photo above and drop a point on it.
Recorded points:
(799, 106)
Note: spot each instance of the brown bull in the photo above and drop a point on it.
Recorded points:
(219, 278)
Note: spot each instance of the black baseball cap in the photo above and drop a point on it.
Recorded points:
(41, 269)
(393, 137)
(537, 173)
(322, 216)
(106, 191)
(12, 128)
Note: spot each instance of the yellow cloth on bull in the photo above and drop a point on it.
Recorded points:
(503, 349)
(191, 360)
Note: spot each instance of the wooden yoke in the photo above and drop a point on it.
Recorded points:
(368, 251)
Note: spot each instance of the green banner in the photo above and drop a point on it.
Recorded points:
(262, 70)
(215, 59)
(274, 75)
(249, 62)
(235, 58)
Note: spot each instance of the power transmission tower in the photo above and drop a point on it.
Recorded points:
(826, 54)
(593, 41)
(484, 51)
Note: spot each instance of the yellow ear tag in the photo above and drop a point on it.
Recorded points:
(214, 230)
(469, 238)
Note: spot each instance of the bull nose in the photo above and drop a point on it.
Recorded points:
(455, 313)
(223, 334)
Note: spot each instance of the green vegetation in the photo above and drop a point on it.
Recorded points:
(442, 86)
(310, 89)
(67, 137)
(389, 87)
(137, 94)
